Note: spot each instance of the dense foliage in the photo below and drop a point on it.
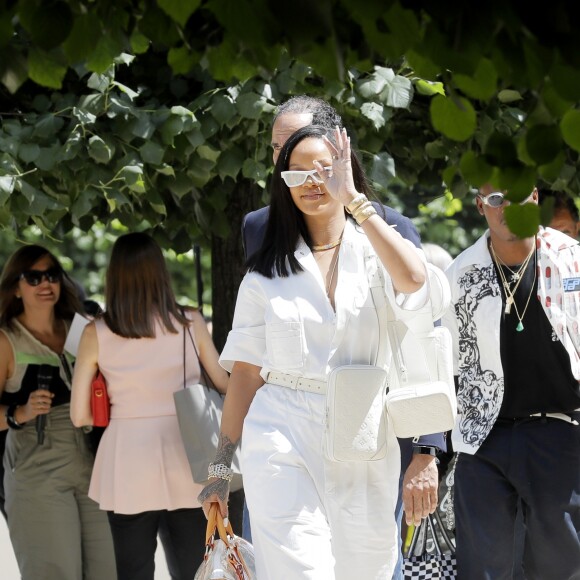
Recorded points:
(157, 114)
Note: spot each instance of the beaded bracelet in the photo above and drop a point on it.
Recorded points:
(221, 471)
(364, 214)
(359, 200)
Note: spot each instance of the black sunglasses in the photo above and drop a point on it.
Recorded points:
(35, 277)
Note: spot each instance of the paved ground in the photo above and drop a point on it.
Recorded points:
(9, 569)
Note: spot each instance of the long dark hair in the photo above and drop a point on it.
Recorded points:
(138, 289)
(285, 221)
(21, 260)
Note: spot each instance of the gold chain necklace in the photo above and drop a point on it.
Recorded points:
(329, 286)
(516, 276)
(509, 293)
(327, 246)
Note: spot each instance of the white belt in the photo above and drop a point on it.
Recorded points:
(561, 416)
(297, 383)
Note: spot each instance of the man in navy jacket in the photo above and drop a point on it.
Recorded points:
(420, 481)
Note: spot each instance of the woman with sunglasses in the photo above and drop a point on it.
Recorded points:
(142, 478)
(303, 308)
(57, 532)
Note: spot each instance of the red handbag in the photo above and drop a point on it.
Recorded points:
(100, 404)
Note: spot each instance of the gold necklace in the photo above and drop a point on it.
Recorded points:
(329, 286)
(327, 246)
(517, 277)
(510, 294)
(520, 325)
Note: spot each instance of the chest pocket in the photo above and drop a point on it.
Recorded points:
(285, 344)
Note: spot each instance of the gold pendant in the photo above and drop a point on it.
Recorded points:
(508, 304)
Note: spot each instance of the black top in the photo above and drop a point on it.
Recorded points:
(537, 374)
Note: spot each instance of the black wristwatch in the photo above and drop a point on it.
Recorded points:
(11, 420)
(425, 450)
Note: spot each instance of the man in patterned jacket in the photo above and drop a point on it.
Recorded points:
(514, 318)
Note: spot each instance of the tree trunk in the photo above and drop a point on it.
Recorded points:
(227, 261)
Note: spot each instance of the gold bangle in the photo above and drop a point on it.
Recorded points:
(360, 208)
(356, 203)
(365, 214)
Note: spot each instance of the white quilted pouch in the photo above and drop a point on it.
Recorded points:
(356, 421)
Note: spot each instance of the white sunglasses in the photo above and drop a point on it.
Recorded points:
(497, 199)
(297, 178)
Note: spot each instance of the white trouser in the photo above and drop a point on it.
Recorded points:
(313, 518)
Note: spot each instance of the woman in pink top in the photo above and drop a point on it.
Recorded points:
(141, 475)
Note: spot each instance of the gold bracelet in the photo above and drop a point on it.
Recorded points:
(365, 214)
(356, 203)
(360, 208)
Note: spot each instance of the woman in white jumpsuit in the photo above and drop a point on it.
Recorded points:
(304, 308)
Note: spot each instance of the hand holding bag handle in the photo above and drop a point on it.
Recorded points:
(228, 556)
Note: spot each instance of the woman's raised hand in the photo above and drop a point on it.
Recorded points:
(340, 185)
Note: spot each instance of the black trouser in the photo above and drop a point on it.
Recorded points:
(182, 533)
(533, 463)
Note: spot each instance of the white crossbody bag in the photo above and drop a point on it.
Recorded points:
(356, 421)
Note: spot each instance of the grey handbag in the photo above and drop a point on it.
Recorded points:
(199, 413)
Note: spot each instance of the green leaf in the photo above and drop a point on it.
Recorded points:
(45, 69)
(475, 170)
(482, 85)
(252, 106)
(181, 185)
(179, 10)
(566, 81)
(152, 153)
(28, 152)
(50, 24)
(133, 176)
(254, 170)
(230, 162)
(399, 92)
(156, 202)
(551, 171)
(84, 202)
(570, 127)
(48, 157)
(99, 82)
(208, 152)
(182, 60)
(83, 38)
(124, 89)
(104, 54)
(222, 108)
(543, 143)
(7, 183)
(523, 220)
(382, 169)
(372, 87)
(375, 113)
(519, 181)
(500, 151)
(429, 88)
(509, 96)
(84, 117)
(98, 150)
(139, 42)
(456, 119)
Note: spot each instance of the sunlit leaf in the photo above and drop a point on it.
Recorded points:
(456, 119)
(570, 126)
